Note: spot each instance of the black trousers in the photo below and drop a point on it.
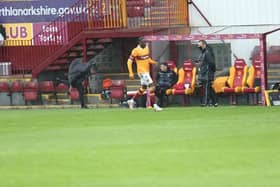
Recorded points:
(209, 94)
(78, 84)
(160, 93)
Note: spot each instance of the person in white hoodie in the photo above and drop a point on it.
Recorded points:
(2, 34)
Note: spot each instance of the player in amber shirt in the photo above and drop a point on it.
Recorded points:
(141, 55)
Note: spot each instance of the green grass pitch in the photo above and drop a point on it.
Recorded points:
(178, 147)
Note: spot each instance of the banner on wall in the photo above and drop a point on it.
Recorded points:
(19, 32)
(47, 11)
(45, 33)
(33, 11)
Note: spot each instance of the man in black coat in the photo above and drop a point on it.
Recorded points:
(206, 73)
(166, 78)
(77, 73)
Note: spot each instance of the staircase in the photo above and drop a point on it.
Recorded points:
(93, 47)
(273, 61)
(273, 74)
(84, 34)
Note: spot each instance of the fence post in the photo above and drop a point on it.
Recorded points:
(124, 13)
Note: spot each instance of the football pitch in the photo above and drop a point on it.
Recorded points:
(178, 147)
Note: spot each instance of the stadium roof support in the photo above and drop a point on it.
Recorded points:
(260, 36)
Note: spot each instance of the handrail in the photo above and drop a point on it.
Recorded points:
(91, 15)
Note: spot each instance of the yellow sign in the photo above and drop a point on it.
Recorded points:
(18, 34)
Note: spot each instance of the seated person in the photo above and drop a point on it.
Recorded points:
(166, 78)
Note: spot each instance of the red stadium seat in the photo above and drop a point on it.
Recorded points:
(135, 8)
(31, 86)
(74, 94)
(61, 93)
(135, 11)
(31, 91)
(46, 87)
(186, 81)
(237, 79)
(30, 96)
(4, 87)
(16, 87)
(107, 83)
(61, 88)
(46, 91)
(117, 89)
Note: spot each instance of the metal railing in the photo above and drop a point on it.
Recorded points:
(91, 15)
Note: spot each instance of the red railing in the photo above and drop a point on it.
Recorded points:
(90, 15)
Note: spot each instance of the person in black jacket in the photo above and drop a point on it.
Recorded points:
(166, 78)
(77, 73)
(206, 73)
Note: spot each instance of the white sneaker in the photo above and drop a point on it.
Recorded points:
(157, 108)
(131, 104)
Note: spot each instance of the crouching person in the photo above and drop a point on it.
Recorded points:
(77, 73)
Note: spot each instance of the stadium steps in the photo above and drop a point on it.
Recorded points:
(94, 47)
(273, 73)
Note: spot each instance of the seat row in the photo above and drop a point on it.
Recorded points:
(241, 80)
(18, 92)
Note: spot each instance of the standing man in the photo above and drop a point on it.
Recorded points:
(206, 73)
(141, 55)
(166, 78)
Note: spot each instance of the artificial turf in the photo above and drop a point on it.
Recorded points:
(178, 147)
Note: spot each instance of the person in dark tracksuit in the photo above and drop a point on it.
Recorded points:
(77, 73)
(166, 78)
(206, 73)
